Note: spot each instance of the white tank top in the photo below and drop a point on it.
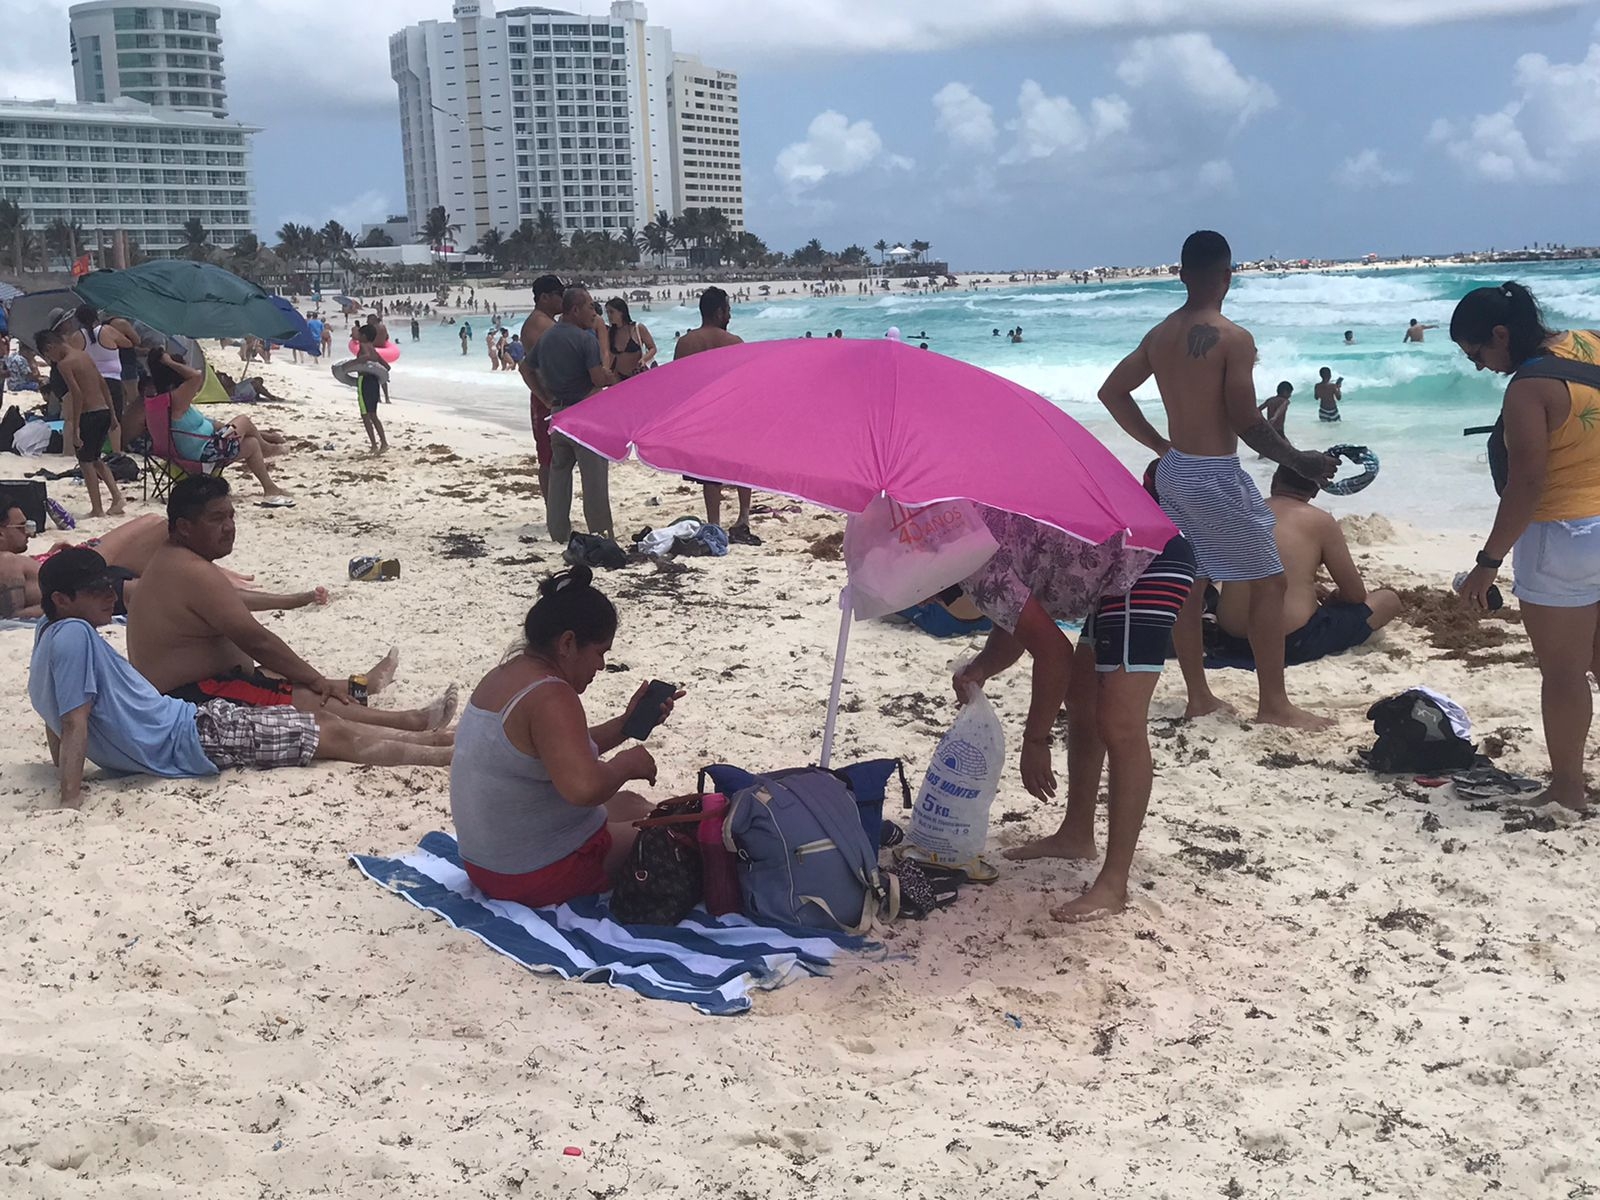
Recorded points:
(107, 361)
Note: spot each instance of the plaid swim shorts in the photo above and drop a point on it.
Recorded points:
(234, 735)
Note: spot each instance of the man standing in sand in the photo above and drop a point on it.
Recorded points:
(87, 416)
(572, 370)
(1414, 331)
(193, 637)
(1204, 367)
(547, 292)
(715, 314)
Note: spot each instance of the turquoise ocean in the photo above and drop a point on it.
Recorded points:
(1409, 403)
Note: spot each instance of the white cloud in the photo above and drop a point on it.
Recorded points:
(1047, 125)
(834, 146)
(1548, 133)
(1189, 68)
(964, 117)
(1366, 170)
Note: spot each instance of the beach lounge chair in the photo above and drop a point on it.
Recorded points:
(163, 465)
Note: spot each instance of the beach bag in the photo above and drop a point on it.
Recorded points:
(591, 550)
(804, 859)
(123, 468)
(1417, 734)
(898, 556)
(868, 782)
(661, 881)
(950, 816)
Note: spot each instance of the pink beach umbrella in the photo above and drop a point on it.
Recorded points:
(841, 422)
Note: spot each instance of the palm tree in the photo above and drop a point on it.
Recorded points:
(657, 236)
(919, 248)
(438, 231)
(546, 242)
(13, 227)
(196, 240)
(492, 244)
(245, 254)
(338, 238)
(882, 247)
(631, 242)
(852, 254)
(294, 243)
(64, 238)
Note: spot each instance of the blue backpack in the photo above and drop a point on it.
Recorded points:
(804, 858)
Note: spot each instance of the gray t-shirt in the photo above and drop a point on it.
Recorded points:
(565, 356)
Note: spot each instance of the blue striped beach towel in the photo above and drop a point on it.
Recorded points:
(713, 963)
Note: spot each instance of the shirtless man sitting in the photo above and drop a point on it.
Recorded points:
(1309, 539)
(127, 550)
(1203, 365)
(192, 636)
(97, 708)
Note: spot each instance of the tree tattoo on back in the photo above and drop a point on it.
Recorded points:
(1201, 339)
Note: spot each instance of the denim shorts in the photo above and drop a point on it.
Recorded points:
(1557, 564)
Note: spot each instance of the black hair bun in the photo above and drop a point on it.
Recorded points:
(579, 576)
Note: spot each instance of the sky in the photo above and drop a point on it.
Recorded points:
(1018, 133)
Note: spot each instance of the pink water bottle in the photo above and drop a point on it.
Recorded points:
(718, 869)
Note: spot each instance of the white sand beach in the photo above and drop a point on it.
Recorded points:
(1327, 984)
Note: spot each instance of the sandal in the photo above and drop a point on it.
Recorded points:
(974, 870)
(1485, 783)
(921, 891)
(742, 535)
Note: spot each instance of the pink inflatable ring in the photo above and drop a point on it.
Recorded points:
(389, 353)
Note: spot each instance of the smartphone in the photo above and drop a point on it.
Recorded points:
(647, 714)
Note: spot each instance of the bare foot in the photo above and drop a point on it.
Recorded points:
(116, 510)
(442, 709)
(1293, 718)
(1057, 845)
(1100, 901)
(382, 675)
(1575, 797)
(1204, 706)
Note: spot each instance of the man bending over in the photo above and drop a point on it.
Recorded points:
(191, 634)
(97, 708)
(1203, 364)
(1309, 539)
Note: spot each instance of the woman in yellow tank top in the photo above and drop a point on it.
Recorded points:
(1549, 515)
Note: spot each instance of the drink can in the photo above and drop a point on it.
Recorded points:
(373, 568)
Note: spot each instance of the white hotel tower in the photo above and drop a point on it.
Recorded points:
(505, 114)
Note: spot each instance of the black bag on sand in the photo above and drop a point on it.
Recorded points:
(662, 879)
(123, 468)
(593, 551)
(1415, 736)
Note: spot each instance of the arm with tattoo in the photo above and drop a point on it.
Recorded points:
(14, 601)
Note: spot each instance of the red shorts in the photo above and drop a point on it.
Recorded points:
(257, 690)
(541, 431)
(581, 873)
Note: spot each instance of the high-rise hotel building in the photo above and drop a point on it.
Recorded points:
(503, 115)
(148, 146)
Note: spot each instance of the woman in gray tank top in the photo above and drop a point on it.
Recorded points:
(540, 817)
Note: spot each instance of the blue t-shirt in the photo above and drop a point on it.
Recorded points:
(315, 326)
(515, 350)
(132, 727)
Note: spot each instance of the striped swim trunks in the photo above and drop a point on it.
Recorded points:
(1217, 506)
(234, 735)
(1133, 631)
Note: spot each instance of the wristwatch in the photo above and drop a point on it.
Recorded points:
(1494, 564)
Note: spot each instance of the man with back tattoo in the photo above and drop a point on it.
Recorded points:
(1204, 365)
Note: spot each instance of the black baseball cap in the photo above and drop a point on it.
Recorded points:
(546, 284)
(74, 570)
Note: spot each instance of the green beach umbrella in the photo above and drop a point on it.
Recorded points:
(191, 298)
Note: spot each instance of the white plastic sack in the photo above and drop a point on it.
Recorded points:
(32, 440)
(899, 556)
(950, 820)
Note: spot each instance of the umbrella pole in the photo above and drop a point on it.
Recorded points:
(838, 676)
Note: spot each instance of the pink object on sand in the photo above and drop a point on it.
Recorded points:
(573, 1152)
(837, 422)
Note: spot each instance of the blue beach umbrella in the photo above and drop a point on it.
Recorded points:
(303, 340)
